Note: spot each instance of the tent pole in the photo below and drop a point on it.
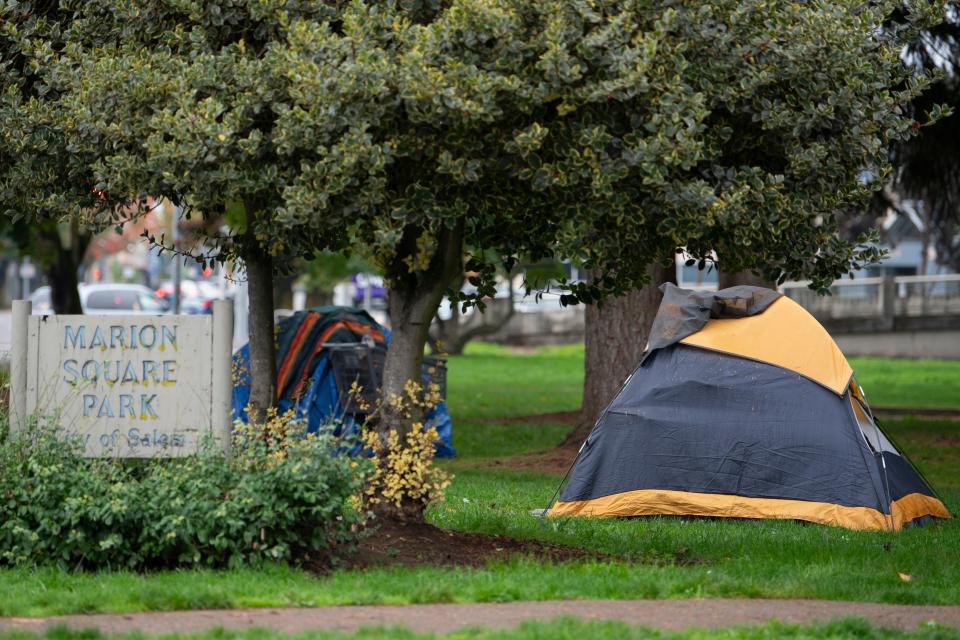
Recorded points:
(897, 446)
(567, 474)
(883, 461)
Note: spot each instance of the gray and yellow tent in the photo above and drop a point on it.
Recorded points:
(744, 407)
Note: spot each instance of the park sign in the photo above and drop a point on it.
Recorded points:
(135, 386)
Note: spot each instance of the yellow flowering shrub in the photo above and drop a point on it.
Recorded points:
(415, 400)
(404, 472)
(404, 477)
(277, 434)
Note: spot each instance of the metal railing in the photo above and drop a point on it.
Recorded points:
(927, 295)
(847, 299)
(903, 296)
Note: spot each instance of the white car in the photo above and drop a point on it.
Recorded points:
(107, 299)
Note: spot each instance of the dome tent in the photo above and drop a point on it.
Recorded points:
(321, 352)
(744, 407)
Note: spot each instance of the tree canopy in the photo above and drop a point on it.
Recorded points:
(45, 184)
(611, 132)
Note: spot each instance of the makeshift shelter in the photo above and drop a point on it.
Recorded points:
(329, 364)
(744, 407)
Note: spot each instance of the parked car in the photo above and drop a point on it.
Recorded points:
(107, 299)
(196, 297)
(135, 299)
(42, 304)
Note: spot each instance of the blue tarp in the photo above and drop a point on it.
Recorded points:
(305, 378)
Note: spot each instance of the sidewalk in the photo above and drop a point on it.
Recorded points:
(446, 618)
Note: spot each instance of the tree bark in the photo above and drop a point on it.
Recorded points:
(413, 300)
(262, 344)
(616, 336)
(263, 363)
(64, 286)
(60, 263)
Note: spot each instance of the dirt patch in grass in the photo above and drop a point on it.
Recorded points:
(563, 417)
(414, 544)
(551, 461)
(917, 412)
(947, 442)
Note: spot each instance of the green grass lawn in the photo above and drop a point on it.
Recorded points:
(494, 382)
(648, 558)
(566, 629)
(909, 383)
(491, 383)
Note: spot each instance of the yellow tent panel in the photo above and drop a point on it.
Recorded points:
(784, 335)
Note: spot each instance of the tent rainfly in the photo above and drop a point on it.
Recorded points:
(744, 407)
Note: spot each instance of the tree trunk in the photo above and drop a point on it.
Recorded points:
(283, 291)
(64, 291)
(262, 344)
(61, 264)
(451, 336)
(410, 316)
(616, 336)
(413, 300)
(743, 277)
(64, 286)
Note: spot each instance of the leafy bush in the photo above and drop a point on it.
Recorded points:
(404, 480)
(404, 470)
(278, 495)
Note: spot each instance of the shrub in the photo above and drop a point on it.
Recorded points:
(278, 495)
(405, 480)
(404, 469)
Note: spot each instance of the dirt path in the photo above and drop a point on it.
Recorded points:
(446, 618)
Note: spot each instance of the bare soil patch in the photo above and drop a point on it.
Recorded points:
(412, 544)
(551, 461)
(563, 417)
(947, 442)
(918, 412)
